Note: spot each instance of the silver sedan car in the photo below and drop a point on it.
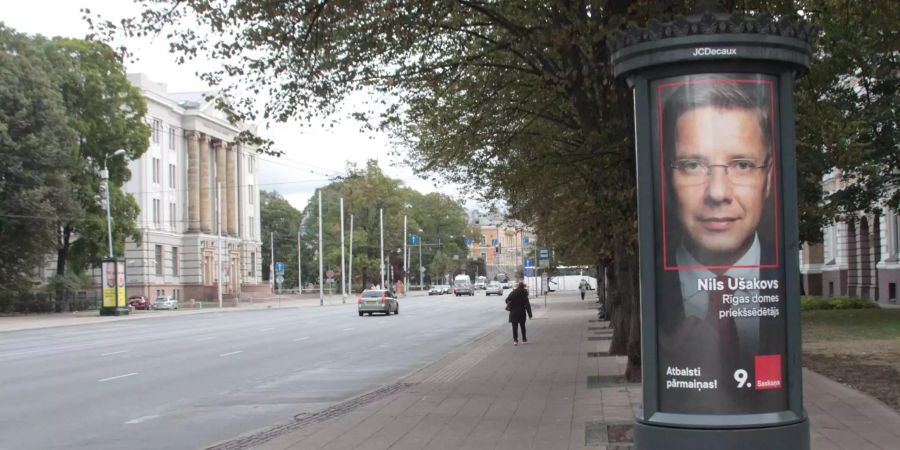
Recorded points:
(493, 288)
(377, 300)
(165, 302)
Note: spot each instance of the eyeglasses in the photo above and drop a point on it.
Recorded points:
(691, 172)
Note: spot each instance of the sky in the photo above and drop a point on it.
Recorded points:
(312, 153)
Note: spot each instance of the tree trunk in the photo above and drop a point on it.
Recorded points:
(62, 257)
(633, 368)
(622, 306)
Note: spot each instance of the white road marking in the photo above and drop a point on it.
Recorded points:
(348, 329)
(267, 329)
(114, 353)
(208, 338)
(141, 419)
(117, 377)
(232, 353)
(301, 339)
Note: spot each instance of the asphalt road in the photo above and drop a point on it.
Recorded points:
(187, 382)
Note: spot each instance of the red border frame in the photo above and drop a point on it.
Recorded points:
(662, 172)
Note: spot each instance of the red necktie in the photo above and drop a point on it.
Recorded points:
(724, 326)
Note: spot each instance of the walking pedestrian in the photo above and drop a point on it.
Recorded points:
(517, 304)
(583, 287)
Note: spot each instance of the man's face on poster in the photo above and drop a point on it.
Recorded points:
(110, 269)
(721, 179)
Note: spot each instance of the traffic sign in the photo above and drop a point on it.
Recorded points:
(524, 240)
(329, 274)
(279, 279)
(469, 242)
(544, 254)
(413, 239)
(529, 262)
(494, 242)
(279, 267)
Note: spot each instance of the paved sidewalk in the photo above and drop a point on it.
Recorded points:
(557, 391)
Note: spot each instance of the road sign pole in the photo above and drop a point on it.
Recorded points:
(321, 256)
(343, 284)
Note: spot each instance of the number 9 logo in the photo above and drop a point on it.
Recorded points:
(740, 376)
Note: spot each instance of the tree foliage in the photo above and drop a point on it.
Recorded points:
(516, 100)
(37, 148)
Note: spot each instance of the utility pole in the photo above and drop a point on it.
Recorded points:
(405, 259)
(272, 262)
(421, 272)
(299, 261)
(381, 257)
(321, 256)
(219, 243)
(343, 274)
(350, 269)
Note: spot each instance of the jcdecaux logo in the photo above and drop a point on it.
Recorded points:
(707, 51)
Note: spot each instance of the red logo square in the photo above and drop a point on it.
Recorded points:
(768, 372)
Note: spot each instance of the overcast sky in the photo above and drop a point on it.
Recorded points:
(312, 154)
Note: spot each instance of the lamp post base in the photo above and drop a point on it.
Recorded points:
(788, 437)
(114, 311)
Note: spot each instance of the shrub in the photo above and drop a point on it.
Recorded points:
(809, 303)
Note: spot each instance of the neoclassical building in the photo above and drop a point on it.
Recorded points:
(513, 240)
(859, 257)
(193, 184)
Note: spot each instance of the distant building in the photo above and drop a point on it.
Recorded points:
(503, 244)
(858, 257)
(175, 183)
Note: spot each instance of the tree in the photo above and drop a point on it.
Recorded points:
(277, 216)
(37, 147)
(107, 113)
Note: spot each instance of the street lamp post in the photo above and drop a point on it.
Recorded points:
(104, 175)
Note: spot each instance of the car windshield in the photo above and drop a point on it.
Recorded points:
(494, 284)
(372, 294)
(161, 299)
(460, 283)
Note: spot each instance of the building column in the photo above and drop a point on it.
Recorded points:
(221, 171)
(231, 189)
(205, 213)
(193, 181)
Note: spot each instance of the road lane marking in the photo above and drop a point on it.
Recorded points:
(141, 419)
(114, 353)
(301, 339)
(348, 329)
(117, 377)
(208, 338)
(267, 329)
(232, 353)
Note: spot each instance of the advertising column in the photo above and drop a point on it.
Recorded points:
(113, 302)
(717, 206)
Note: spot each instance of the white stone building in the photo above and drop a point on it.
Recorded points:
(858, 257)
(175, 183)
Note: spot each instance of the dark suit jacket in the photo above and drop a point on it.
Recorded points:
(688, 342)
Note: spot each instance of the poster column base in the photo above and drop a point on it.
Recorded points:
(788, 437)
(115, 311)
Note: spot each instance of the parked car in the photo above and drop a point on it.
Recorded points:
(461, 287)
(493, 287)
(446, 289)
(377, 300)
(436, 290)
(165, 302)
(139, 302)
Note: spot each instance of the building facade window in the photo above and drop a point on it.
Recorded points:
(252, 271)
(172, 221)
(175, 261)
(172, 176)
(252, 228)
(157, 130)
(250, 193)
(250, 163)
(156, 170)
(171, 138)
(159, 260)
(156, 219)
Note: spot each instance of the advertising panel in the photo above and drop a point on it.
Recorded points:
(720, 291)
(113, 275)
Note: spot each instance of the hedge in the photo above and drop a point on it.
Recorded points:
(810, 302)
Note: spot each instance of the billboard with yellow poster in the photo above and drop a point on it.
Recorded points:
(113, 283)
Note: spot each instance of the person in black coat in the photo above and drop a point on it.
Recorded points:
(517, 304)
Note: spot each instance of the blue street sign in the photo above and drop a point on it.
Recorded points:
(529, 263)
(544, 254)
(279, 267)
(524, 240)
(413, 239)
(494, 242)
(529, 271)
(469, 242)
